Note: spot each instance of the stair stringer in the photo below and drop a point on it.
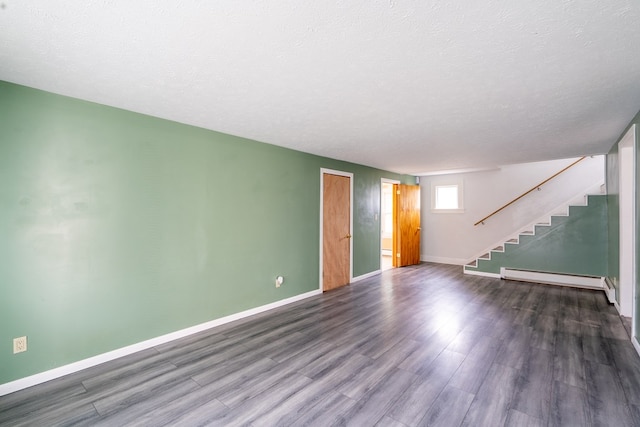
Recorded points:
(561, 210)
(489, 263)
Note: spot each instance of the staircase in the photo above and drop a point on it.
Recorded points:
(473, 266)
(567, 247)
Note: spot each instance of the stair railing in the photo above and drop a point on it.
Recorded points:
(536, 187)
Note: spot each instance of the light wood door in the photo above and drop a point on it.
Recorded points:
(406, 234)
(336, 231)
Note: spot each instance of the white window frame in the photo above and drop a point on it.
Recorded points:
(458, 183)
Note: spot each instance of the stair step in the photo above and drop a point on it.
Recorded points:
(498, 249)
(485, 256)
(543, 224)
(527, 233)
(472, 264)
(512, 241)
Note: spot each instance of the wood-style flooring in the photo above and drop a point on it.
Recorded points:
(423, 345)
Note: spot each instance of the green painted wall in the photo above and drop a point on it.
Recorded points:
(576, 244)
(117, 227)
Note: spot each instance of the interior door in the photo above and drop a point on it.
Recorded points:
(336, 231)
(406, 240)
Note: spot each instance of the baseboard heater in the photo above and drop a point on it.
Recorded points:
(588, 282)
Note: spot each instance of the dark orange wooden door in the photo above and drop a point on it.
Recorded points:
(336, 231)
(407, 225)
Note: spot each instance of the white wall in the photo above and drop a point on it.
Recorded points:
(452, 238)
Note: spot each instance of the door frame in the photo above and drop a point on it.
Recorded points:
(627, 221)
(393, 232)
(349, 175)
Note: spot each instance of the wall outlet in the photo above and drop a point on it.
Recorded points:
(19, 345)
(279, 281)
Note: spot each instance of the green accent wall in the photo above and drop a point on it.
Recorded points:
(575, 244)
(117, 227)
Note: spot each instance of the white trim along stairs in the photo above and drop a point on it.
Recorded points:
(541, 277)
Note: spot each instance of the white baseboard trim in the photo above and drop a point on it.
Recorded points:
(636, 344)
(365, 276)
(482, 273)
(443, 260)
(42, 377)
(611, 293)
(610, 290)
(553, 278)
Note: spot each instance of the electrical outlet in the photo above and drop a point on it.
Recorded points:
(19, 345)
(279, 281)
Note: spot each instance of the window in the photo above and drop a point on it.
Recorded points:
(447, 197)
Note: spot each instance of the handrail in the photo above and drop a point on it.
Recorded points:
(537, 187)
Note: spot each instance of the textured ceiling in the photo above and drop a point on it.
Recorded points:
(408, 86)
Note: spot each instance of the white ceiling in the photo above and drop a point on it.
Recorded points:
(409, 86)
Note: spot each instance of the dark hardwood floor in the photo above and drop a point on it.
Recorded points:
(420, 345)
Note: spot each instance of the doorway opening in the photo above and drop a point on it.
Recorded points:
(387, 223)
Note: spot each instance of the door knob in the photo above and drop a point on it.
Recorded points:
(348, 236)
